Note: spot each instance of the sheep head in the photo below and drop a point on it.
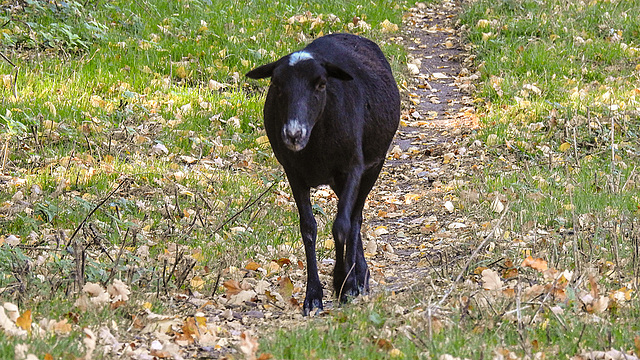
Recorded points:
(297, 94)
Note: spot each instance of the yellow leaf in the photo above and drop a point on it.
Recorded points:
(409, 198)
(197, 283)
(197, 255)
(201, 320)
(181, 72)
(388, 27)
(24, 321)
(262, 140)
(147, 305)
(96, 101)
(565, 146)
(252, 265)
(395, 353)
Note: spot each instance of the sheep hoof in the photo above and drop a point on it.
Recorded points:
(346, 289)
(312, 306)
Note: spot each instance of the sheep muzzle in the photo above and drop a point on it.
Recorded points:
(295, 135)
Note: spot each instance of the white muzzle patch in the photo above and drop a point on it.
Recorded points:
(295, 135)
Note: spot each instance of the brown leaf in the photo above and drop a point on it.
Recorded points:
(479, 270)
(116, 304)
(160, 354)
(232, 286)
(384, 344)
(510, 273)
(286, 287)
(191, 328)
(594, 287)
(189, 332)
(283, 261)
(536, 264)
(252, 265)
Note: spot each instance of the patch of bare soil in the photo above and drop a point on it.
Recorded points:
(412, 220)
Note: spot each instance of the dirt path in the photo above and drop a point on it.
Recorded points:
(417, 183)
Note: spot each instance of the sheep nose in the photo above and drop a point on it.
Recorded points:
(295, 135)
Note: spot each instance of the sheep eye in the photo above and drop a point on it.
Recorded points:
(321, 85)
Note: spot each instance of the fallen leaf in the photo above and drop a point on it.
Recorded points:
(395, 353)
(380, 230)
(449, 206)
(536, 264)
(497, 205)
(197, 283)
(24, 321)
(283, 261)
(248, 345)
(384, 344)
(232, 286)
(286, 287)
(242, 297)
(483, 23)
(118, 290)
(62, 326)
(491, 280)
(252, 265)
(181, 72)
(409, 198)
(388, 27)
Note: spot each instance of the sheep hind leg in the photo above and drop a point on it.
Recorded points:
(362, 271)
(344, 274)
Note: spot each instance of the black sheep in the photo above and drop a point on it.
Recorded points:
(330, 114)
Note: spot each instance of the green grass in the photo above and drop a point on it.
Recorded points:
(584, 62)
(373, 330)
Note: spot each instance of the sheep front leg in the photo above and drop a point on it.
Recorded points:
(308, 228)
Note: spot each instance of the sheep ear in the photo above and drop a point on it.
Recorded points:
(262, 72)
(336, 72)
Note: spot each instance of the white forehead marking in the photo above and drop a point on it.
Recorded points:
(296, 57)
